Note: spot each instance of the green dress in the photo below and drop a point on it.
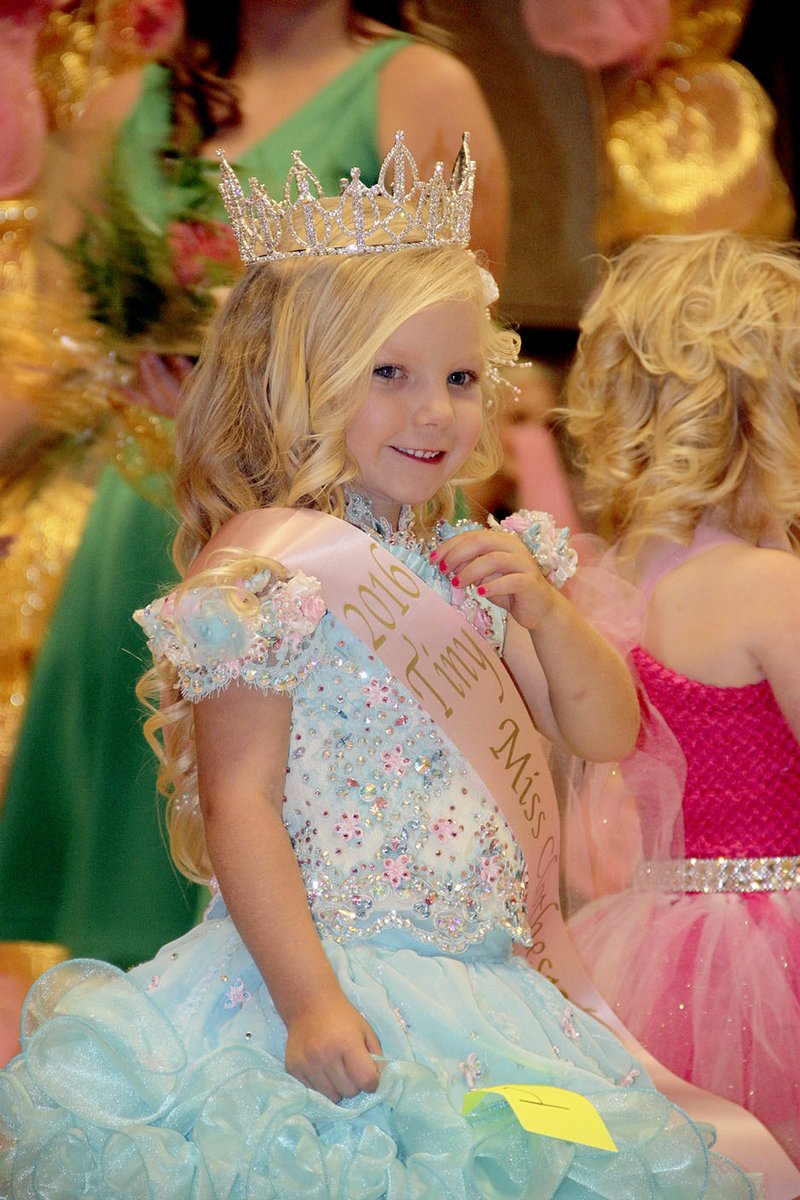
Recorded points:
(83, 854)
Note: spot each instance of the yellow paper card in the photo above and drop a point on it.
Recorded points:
(555, 1112)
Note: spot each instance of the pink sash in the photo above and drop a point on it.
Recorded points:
(464, 686)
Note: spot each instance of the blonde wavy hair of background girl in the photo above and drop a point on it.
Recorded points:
(285, 367)
(684, 392)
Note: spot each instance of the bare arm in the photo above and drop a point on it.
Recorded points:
(434, 98)
(580, 692)
(242, 748)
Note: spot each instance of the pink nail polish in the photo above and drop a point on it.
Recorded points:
(481, 590)
(434, 554)
(455, 581)
(442, 565)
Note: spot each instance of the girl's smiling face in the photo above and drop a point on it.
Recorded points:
(423, 413)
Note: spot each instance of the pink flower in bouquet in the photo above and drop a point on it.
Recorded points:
(138, 30)
(204, 253)
(598, 33)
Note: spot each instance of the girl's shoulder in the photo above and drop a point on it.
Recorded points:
(752, 572)
(770, 580)
(720, 615)
(242, 534)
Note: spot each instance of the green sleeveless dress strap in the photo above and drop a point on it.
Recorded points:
(83, 860)
(335, 130)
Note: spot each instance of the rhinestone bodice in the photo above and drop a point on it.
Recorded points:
(391, 827)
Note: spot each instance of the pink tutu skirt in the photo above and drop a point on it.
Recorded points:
(710, 985)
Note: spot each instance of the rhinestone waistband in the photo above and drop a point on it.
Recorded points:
(719, 875)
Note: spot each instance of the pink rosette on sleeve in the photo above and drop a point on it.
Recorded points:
(258, 630)
(299, 607)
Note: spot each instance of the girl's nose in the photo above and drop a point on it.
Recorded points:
(435, 407)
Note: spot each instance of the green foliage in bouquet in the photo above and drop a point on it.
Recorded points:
(149, 285)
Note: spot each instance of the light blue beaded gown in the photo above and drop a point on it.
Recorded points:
(168, 1083)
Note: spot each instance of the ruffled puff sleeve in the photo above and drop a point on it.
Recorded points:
(259, 631)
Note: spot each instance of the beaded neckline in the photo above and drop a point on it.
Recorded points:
(359, 511)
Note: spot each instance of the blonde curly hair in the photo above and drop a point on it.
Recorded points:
(683, 395)
(284, 369)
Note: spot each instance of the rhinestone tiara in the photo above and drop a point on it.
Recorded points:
(399, 211)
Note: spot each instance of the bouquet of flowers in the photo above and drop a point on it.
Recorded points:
(152, 289)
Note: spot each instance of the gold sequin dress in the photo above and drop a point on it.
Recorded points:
(689, 141)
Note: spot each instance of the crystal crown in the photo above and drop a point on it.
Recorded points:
(399, 211)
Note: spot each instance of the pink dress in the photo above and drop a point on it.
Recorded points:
(700, 952)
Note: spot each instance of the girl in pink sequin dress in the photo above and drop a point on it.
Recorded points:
(683, 400)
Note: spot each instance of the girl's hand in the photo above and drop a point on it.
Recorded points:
(330, 1048)
(577, 688)
(502, 569)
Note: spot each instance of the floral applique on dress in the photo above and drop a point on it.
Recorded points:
(256, 630)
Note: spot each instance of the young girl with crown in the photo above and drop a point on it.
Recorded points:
(345, 681)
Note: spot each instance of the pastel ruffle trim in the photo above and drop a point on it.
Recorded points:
(258, 630)
(105, 1102)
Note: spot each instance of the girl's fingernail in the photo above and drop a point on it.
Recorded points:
(455, 581)
(442, 565)
(481, 590)
(434, 554)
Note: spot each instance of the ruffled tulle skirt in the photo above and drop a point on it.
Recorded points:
(168, 1083)
(710, 984)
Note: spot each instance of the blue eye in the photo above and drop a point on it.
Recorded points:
(387, 371)
(462, 379)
